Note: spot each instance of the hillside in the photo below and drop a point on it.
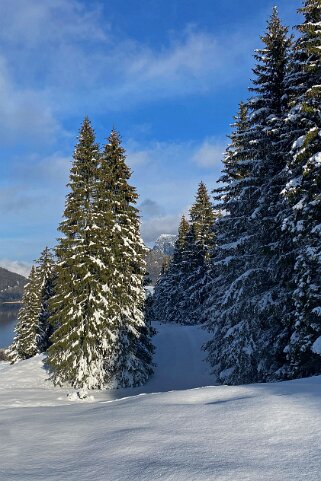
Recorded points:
(173, 429)
(11, 285)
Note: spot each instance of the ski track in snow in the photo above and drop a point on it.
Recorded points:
(175, 428)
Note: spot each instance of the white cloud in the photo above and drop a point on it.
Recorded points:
(30, 22)
(154, 227)
(24, 112)
(206, 154)
(19, 267)
(139, 154)
(210, 153)
(65, 58)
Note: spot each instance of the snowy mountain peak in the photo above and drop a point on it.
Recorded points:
(165, 244)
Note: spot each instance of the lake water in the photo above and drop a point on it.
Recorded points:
(8, 319)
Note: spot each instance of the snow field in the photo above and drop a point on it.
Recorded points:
(267, 432)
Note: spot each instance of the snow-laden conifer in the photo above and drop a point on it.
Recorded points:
(226, 295)
(46, 267)
(251, 294)
(181, 291)
(196, 257)
(304, 193)
(26, 340)
(133, 348)
(168, 293)
(33, 330)
(81, 301)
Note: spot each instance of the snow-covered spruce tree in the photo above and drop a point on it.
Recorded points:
(254, 265)
(80, 306)
(272, 257)
(225, 299)
(46, 273)
(304, 193)
(202, 217)
(132, 348)
(196, 258)
(33, 329)
(168, 294)
(26, 340)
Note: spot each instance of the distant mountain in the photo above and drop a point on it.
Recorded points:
(165, 244)
(160, 255)
(11, 286)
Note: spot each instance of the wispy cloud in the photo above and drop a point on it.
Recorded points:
(206, 154)
(154, 227)
(25, 112)
(210, 153)
(64, 51)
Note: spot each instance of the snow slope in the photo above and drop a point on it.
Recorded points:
(268, 432)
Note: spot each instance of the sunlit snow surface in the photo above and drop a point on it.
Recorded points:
(268, 432)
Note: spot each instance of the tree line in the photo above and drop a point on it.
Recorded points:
(259, 288)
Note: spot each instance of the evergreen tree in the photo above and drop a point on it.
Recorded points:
(196, 257)
(181, 291)
(165, 265)
(304, 193)
(168, 295)
(253, 262)
(33, 330)
(82, 339)
(133, 347)
(26, 340)
(101, 337)
(202, 217)
(225, 302)
(46, 274)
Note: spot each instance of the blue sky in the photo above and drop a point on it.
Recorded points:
(168, 74)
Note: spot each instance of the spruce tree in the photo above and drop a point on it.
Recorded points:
(80, 343)
(254, 264)
(225, 302)
(133, 347)
(200, 243)
(272, 260)
(26, 340)
(168, 294)
(202, 217)
(33, 330)
(304, 193)
(46, 273)
(181, 291)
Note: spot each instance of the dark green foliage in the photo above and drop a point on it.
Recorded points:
(167, 294)
(181, 292)
(80, 305)
(33, 330)
(133, 361)
(101, 338)
(46, 273)
(304, 193)
(251, 292)
(25, 344)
